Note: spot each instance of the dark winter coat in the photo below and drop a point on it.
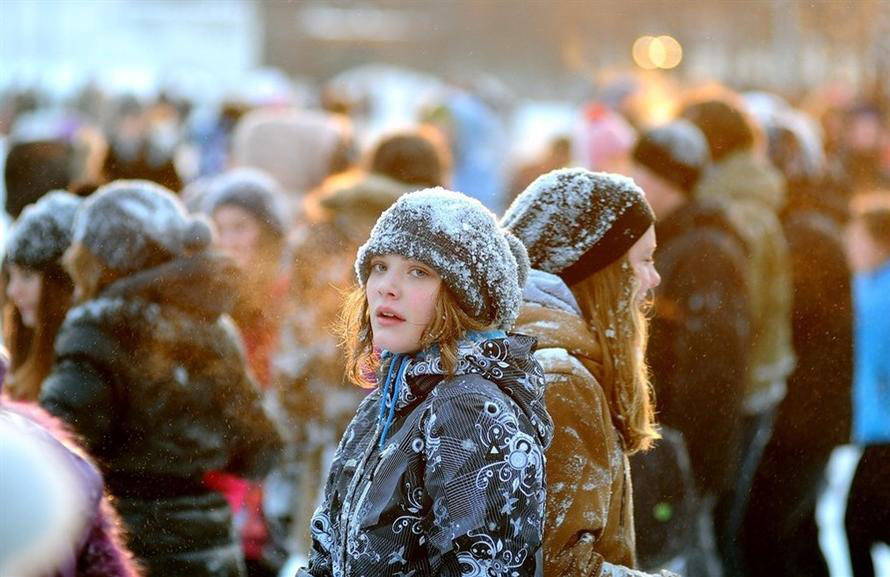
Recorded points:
(815, 415)
(699, 338)
(456, 486)
(754, 193)
(151, 375)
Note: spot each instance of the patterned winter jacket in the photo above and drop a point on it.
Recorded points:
(447, 478)
(152, 377)
(589, 529)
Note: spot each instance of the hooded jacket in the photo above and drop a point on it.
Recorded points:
(589, 527)
(755, 193)
(151, 375)
(441, 475)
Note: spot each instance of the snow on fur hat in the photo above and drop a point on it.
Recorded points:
(42, 233)
(484, 266)
(575, 222)
(129, 224)
(253, 191)
(676, 151)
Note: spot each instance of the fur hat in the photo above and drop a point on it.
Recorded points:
(575, 222)
(130, 225)
(253, 191)
(677, 152)
(42, 233)
(484, 266)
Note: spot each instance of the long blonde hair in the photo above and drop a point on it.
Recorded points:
(608, 303)
(449, 325)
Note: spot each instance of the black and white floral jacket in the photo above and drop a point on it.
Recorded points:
(441, 475)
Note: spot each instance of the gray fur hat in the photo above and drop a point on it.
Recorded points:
(130, 224)
(575, 222)
(253, 191)
(42, 233)
(483, 265)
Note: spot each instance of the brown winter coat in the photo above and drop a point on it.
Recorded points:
(589, 508)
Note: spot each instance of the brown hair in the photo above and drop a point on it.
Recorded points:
(32, 349)
(607, 299)
(417, 157)
(873, 210)
(449, 325)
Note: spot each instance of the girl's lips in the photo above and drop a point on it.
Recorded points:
(388, 318)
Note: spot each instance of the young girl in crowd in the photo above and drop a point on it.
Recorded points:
(441, 472)
(590, 241)
(149, 372)
(867, 517)
(38, 290)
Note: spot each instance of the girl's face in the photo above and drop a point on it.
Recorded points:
(402, 296)
(239, 234)
(24, 291)
(642, 262)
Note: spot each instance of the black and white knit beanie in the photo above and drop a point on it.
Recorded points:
(42, 233)
(676, 151)
(129, 224)
(253, 191)
(575, 222)
(484, 266)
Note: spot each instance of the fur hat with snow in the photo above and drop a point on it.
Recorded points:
(42, 233)
(130, 225)
(575, 222)
(484, 266)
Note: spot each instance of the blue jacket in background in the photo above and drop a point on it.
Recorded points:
(871, 380)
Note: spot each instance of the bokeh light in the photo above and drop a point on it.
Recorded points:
(662, 52)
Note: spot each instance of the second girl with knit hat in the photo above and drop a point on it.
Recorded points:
(441, 472)
(590, 241)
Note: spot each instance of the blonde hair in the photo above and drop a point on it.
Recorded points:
(90, 276)
(608, 303)
(449, 325)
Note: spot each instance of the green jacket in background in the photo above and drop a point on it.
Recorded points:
(754, 193)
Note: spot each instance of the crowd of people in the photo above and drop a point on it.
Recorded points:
(259, 341)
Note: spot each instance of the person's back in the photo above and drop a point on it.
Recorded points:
(149, 372)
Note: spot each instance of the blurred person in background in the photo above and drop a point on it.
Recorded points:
(604, 139)
(314, 393)
(477, 144)
(867, 518)
(558, 154)
(590, 241)
(298, 148)
(149, 372)
(780, 534)
(252, 220)
(754, 192)
(38, 290)
(57, 519)
(700, 332)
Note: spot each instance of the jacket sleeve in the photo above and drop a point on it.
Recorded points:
(484, 478)
(698, 352)
(80, 387)
(579, 476)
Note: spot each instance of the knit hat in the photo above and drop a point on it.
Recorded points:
(484, 266)
(254, 191)
(677, 152)
(42, 233)
(132, 224)
(575, 222)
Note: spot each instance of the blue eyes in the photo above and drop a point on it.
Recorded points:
(416, 272)
(378, 267)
